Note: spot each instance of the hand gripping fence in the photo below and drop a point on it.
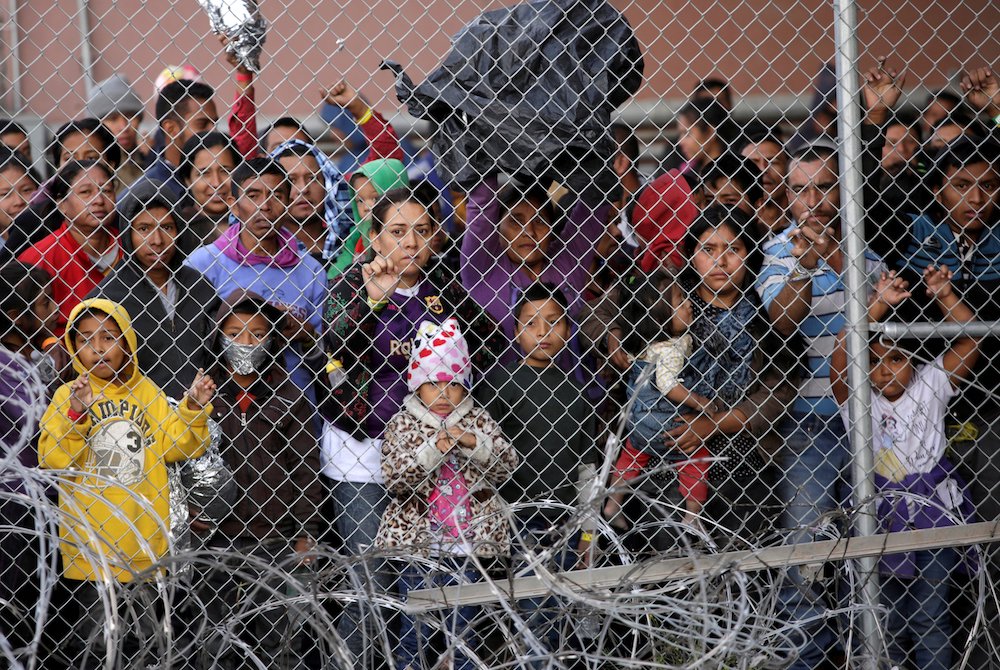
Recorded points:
(561, 334)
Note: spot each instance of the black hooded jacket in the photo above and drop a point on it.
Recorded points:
(170, 349)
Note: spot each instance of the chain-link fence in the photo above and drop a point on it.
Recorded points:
(553, 335)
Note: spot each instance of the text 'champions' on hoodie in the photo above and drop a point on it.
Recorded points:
(114, 502)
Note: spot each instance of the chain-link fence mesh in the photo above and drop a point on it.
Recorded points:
(553, 335)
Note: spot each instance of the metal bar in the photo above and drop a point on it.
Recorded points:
(852, 216)
(86, 53)
(896, 330)
(13, 35)
(850, 548)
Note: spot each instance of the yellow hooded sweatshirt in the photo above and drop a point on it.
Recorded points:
(114, 507)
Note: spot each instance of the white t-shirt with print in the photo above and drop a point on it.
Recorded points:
(912, 429)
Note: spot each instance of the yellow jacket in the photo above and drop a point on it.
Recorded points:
(114, 502)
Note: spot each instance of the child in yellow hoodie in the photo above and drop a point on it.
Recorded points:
(114, 432)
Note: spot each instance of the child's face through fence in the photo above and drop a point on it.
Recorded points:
(100, 346)
(441, 397)
(542, 331)
(891, 370)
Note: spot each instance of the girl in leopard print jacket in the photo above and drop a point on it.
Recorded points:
(444, 458)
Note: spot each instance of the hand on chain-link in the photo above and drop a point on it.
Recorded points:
(882, 89)
(982, 90)
(231, 57)
(890, 289)
(381, 278)
(937, 279)
(810, 245)
(81, 395)
(462, 437)
(444, 442)
(201, 392)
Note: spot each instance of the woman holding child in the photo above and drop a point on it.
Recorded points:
(744, 371)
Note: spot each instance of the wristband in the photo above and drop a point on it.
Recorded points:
(587, 537)
(799, 273)
(75, 416)
(365, 118)
(377, 305)
(244, 77)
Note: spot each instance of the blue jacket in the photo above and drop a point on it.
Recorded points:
(934, 243)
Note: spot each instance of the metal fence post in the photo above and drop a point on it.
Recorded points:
(852, 215)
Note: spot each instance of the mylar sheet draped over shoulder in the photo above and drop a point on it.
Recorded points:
(530, 89)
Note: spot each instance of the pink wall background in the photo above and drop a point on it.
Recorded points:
(765, 48)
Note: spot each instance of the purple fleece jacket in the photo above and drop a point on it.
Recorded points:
(496, 283)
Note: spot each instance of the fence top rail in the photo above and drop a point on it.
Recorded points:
(688, 567)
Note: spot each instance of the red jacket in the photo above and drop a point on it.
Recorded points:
(73, 274)
(661, 218)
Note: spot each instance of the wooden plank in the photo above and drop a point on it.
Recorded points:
(427, 600)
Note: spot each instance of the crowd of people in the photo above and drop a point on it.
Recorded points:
(363, 358)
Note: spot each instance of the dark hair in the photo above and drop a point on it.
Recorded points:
(20, 286)
(89, 127)
(645, 305)
(147, 194)
(908, 121)
(628, 143)
(741, 170)
(757, 132)
(538, 291)
(398, 196)
(8, 126)
(969, 125)
(815, 151)
(709, 83)
(962, 152)
(14, 159)
(515, 192)
(945, 95)
(63, 180)
(428, 194)
(740, 225)
(209, 140)
(283, 122)
(255, 168)
(707, 113)
(172, 103)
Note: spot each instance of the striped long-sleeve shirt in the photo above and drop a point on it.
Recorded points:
(820, 326)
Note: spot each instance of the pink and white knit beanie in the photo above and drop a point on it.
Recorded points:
(439, 354)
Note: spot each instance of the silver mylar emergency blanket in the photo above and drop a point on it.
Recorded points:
(240, 21)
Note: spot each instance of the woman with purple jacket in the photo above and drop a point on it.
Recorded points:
(510, 243)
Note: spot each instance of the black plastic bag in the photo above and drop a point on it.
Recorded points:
(530, 89)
